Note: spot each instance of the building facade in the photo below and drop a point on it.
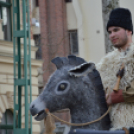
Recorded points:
(6, 69)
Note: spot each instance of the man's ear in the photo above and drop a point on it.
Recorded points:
(128, 32)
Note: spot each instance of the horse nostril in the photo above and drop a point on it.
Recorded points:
(32, 106)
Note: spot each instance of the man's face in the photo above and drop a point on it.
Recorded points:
(118, 36)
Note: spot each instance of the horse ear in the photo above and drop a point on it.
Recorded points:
(60, 61)
(82, 70)
(73, 60)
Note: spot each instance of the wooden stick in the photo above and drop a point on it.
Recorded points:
(116, 87)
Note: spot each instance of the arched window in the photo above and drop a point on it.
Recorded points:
(6, 125)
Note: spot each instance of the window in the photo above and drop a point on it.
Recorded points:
(6, 125)
(36, 3)
(68, 0)
(37, 39)
(5, 16)
(73, 42)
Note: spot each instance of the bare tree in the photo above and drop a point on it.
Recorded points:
(107, 6)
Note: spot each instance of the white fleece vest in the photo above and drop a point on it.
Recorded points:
(122, 114)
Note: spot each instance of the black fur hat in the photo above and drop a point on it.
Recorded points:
(120, 17)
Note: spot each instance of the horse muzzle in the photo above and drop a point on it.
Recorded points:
(37, 109)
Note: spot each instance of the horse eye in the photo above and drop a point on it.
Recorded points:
(62, 86)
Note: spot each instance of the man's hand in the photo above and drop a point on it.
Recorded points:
(108, 99)
(115, 97)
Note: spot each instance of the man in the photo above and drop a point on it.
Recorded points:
(120, 29)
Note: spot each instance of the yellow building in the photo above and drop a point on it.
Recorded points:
(6, 69)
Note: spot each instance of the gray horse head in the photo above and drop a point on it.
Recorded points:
(76, 85)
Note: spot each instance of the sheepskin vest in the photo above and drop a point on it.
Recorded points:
(122, 114)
